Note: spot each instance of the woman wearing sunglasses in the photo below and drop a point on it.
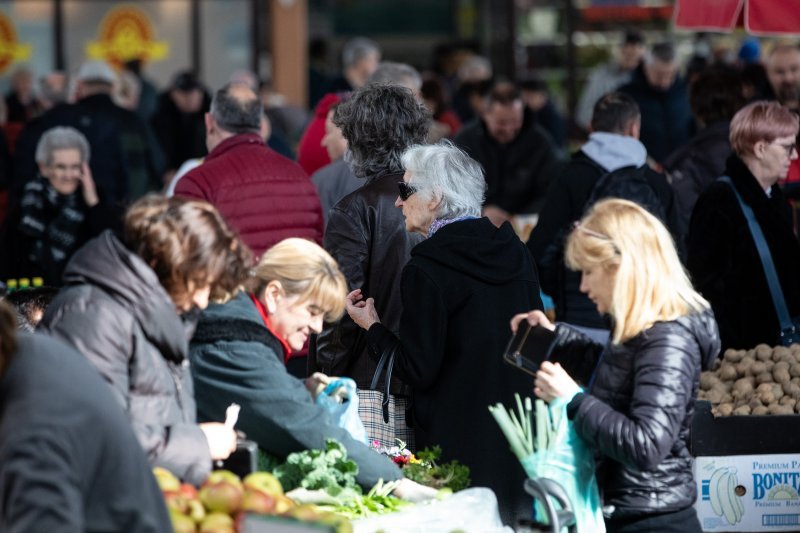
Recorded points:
(460, 288)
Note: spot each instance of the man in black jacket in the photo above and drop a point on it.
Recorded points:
(70, 459)
(516, 154)
(613, 144)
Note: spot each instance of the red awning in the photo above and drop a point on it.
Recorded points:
(762, 17)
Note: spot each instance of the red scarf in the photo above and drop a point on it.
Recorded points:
(287, 350)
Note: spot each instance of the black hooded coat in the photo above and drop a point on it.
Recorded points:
(459, 292)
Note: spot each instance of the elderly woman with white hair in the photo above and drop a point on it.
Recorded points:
(460, 288)
(56, 212)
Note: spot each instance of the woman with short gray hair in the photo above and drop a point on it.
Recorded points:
(57, 211)
(459, 290)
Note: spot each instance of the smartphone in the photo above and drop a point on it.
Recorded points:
(529, 347)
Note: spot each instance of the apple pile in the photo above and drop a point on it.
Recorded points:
(221, 503)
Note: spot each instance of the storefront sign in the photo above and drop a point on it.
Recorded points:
(11, 51)
(126, 33)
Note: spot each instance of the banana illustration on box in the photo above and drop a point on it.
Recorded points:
(722, 493)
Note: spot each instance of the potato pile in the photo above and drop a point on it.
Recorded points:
(760, 381)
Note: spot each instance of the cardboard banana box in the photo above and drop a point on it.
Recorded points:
(748, 492)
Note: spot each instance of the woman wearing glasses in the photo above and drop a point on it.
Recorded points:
(638, 405)
(723, 259)
(459, 290)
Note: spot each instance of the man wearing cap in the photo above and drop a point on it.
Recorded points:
(264, 196)
(179, 122)
(125, 159)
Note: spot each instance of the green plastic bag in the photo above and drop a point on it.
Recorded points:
(568, 461)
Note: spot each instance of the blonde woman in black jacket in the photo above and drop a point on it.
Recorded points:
(637, 405)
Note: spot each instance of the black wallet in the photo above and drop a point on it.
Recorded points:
(529, 348)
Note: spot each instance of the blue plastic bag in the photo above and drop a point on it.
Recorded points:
(339, 397)
(569, 462)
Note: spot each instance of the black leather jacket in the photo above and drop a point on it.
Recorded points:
(638, 411)
(367, 236)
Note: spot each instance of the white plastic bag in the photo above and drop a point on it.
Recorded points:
(472, 511)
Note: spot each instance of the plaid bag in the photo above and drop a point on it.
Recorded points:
(370, 409)
(384, 414)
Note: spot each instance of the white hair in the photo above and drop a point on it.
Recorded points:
(444, 171)
(61, 138)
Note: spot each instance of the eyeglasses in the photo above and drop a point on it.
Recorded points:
(406, 190)
(790, 148)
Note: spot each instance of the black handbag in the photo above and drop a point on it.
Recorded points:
(789, 327)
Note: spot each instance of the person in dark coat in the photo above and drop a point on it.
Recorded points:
(179, 121)
(70, 459)
(715, 96)
(613, 144)
(239, 351)
(636, 409)
(663, 100)
(365, 232)
(57, 212)
(723, 258)
(460, 288)
(129, 308)
(517, 155)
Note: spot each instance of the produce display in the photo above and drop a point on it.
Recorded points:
(320, 486)
(760, 381)
(221, 503)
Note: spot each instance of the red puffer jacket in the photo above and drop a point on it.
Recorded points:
(264, 196)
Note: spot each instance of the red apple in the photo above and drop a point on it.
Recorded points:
(166, 480)
(222, 496)
(176, 501)
(188, 491)
(181, 523)
(265, 482)
(217, 523)
(257, 501)
(196, 511)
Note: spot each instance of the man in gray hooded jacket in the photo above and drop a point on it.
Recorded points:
(613, 145)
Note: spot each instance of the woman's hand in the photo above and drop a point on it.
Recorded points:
(316, 383)
(553, 382)
(414, 492)
(361, 311)
(87, 186)
(221, 439)
(534, 318)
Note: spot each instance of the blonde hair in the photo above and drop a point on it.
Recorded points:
(304, 269)
(650, 283)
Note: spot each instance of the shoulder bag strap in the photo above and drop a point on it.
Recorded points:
(386, 360)
(766, 259)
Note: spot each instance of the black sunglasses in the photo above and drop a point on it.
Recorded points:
(406, 190)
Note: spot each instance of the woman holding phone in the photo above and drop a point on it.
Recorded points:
(636, 408)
